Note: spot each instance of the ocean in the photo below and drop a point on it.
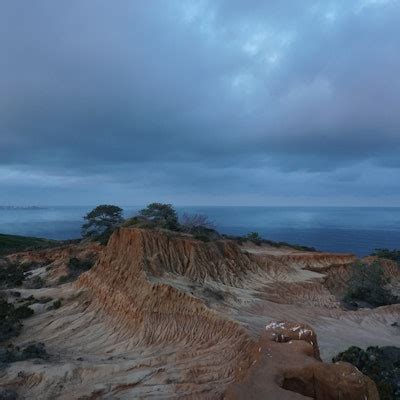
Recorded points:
(337, 229)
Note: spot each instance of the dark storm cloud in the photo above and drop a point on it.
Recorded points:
(217, 97)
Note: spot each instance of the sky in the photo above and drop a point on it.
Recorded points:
(220, 102)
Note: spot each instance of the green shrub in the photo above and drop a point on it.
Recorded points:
(64, 279)
(75, 264)
(35, 283)
(23, 312)
(139, 222)
(202, 237)
(13, 353)
(254, 237)
(367, 284)
(75, 268)
(10, 324)
(29, 266)
(11, 276)
(27, 300)
(56, 305)
(162, 215)
(8, 394)
(12, 243)
(393, 255)
(43, 300)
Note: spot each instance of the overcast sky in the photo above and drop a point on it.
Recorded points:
(226, 102)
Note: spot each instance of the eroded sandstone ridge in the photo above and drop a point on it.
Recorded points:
(162, 315)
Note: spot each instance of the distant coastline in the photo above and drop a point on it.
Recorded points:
(22, 208)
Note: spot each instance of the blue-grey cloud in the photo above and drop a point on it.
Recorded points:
(239, 101)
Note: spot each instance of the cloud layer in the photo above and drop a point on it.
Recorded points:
(218, 102)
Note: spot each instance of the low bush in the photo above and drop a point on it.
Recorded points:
(11, 276)
(393, 255)
(55, 305)
(13, 353)
(139, 222)
(254, 237)
(368, 284)
(12, 243)
(29, 266)
(203, 238)
(75, 264)
(65, 279)
(34, 350)
(212, 293)
(76, 267)
(23, 312)
(10, 325)
(381, 364)
(205, 234)
(8, 394)
(43, 300)
(27, 300)
(10, 318)
(36, 282)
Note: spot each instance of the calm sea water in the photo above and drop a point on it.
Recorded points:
(339, 229)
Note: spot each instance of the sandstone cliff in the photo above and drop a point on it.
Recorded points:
(162, 315)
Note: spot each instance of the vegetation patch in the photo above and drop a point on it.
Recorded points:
(13, 353)
(139, 222)
(368, 285)
(23, 312)
(8, 394)
(27, 300)
(12, 243)
(36, 282)
(256, 238)
(65, 279)
(162, 215)
(10, 319)
(381, 364)
(11, 275)
(77, 265)
(211, 293)
(393, 255)
(55, 305)
(43, 300)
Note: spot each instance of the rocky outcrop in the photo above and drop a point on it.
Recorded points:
(286, 332)
(123, 284)
(286, 362)
(330, 382)
(163, 315)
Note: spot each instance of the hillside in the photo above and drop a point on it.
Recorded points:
(162, 315)
(14, 243)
